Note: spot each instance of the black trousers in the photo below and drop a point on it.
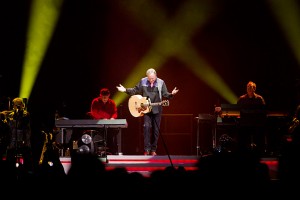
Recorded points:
(252, 138)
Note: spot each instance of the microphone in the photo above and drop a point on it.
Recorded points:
(18, 109)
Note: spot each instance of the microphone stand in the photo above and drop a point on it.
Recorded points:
(17, 118)
(16, 121)
(198, 146)
(165, 146)
(105, 143)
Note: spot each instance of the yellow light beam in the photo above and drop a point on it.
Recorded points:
(42, 22)
(288, 15)
(202, 70)
(173, 39)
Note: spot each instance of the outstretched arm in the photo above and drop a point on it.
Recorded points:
(121, 88)
(174, 91)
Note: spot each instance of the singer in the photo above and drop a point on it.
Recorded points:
(20, 134)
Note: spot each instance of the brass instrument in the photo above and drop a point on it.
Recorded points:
(48, 137)
(4, 114)
(293, 125)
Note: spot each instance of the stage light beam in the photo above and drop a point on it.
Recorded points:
(43, 18)
(288, 15)
(173, 39)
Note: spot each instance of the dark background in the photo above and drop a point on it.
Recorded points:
(96, 43)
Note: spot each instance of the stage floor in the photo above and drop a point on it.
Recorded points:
(147, 164)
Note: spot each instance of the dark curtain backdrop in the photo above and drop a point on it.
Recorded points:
(96, 43)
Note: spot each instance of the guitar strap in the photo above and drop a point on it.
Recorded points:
(159, 85)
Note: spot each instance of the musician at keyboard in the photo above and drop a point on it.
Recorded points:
(251, 134)
(251, 97)
(103, 107)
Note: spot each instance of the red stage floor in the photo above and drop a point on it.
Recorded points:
(147, 164)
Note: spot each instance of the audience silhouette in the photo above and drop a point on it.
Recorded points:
(226, 172)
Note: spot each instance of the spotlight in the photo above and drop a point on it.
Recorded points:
(86, 139)
(85, 143)
(84, 149)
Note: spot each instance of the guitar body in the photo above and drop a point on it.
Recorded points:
(139, 105)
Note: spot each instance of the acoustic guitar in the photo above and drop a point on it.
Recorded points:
(139, 105)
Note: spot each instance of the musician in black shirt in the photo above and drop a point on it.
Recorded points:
(251, 97)
(154, 89)
(251, 134)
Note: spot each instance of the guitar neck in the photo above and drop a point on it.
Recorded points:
(162, 103)
(152, 104)
(156, 104)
